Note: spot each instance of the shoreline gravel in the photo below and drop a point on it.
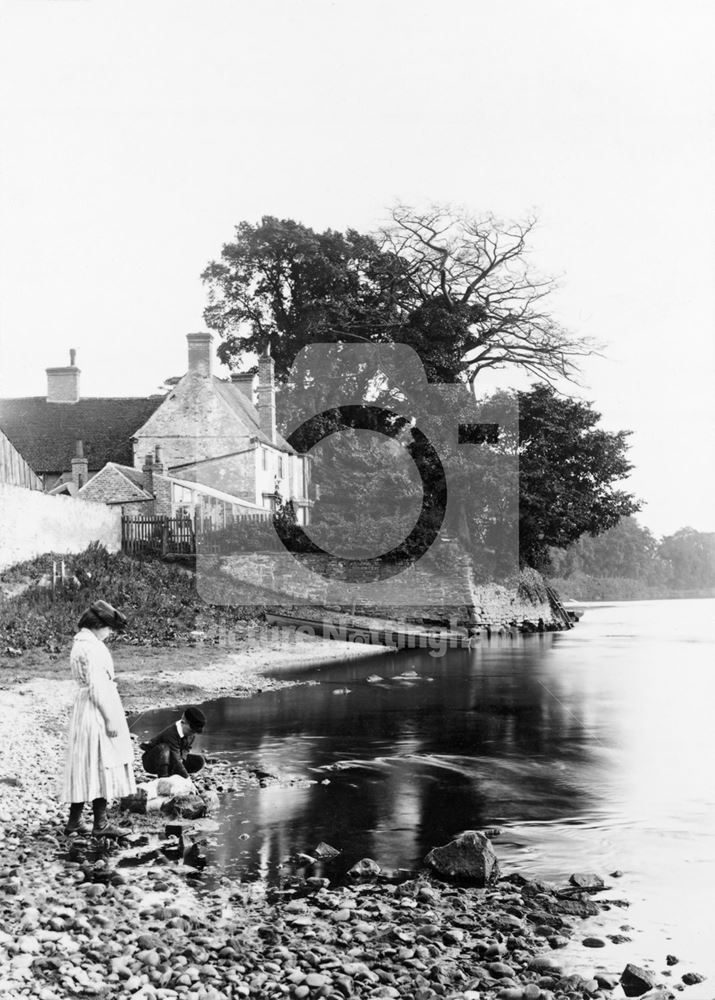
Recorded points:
(76, 923)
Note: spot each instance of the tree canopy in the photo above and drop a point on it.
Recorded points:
(568, 471)
(280, 284)
(458, 289)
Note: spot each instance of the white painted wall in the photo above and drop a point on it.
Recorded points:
(32, 523)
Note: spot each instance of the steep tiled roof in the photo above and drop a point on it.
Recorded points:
(113, 485)
(45, 433)
(247, 413)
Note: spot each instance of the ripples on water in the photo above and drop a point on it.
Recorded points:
(591, 750)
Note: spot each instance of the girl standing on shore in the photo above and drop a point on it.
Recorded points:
(99, 761)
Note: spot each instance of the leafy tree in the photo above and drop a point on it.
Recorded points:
(690, 558)
(281, 283)
(627, 550)
(458, 289)
(568, 471)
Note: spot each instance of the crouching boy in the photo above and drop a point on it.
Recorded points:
(169, 752)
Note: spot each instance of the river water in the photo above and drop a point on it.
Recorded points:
(591, 750)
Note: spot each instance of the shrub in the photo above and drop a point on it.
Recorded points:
(160, 600)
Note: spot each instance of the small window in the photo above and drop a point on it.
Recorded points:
(264, 454)
(280, 466)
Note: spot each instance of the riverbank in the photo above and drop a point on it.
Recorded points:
(76, 924)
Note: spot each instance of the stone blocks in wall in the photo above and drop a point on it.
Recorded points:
(422, 592)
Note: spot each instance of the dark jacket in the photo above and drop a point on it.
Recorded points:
(179, 746)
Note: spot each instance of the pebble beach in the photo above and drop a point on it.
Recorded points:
(76, 922)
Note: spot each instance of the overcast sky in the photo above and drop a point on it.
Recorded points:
(135, 135)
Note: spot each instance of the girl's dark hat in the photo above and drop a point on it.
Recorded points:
(195, 718)
(109, 615)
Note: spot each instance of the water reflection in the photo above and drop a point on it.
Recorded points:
(475, 739)
(592, 749)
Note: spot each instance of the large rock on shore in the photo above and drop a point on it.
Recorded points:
(469, 856)
(636, 981)
(185, 807)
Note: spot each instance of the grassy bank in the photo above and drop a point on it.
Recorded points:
(159, 599)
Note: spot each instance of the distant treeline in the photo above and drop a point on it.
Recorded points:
(629, 563)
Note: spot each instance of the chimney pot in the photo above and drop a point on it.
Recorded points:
(63, 383)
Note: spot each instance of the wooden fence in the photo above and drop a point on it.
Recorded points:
(161, 535)
(158, 535)
(14, 470)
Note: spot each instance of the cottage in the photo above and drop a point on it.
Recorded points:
(46, 429)
(208, 447)
(221, 433)
(153, 490)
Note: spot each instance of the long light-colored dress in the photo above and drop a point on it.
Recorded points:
(96, 765)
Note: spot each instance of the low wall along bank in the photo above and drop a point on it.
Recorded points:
(32, 523)
(432, 595)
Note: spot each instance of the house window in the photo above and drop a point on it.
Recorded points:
(280, 466)
(264, 458)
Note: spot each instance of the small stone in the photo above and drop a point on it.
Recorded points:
(558, 941)
(691, 978)
(671, 960)
(544, 963)
(315, 981)
(500, 969)
(606, 981)
(593, 942)
(301, 991)
(30, 918)
(340, 916)
(147, 941)
(28, 944)
(469, 856)
(364, 868)
(532, 992)
(325, 851)
(587, 881)
(617, 873)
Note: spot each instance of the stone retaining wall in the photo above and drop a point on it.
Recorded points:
(419, 591)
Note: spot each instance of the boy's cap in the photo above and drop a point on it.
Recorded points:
(195, 718)
(109, 615)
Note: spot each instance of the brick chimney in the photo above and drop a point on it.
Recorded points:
(244, 382)
(267, 395)
(158, 461)
(148, 471)
(80, 467)
(200, 353)
(63, 383)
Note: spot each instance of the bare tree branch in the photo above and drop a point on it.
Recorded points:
(475, 269)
